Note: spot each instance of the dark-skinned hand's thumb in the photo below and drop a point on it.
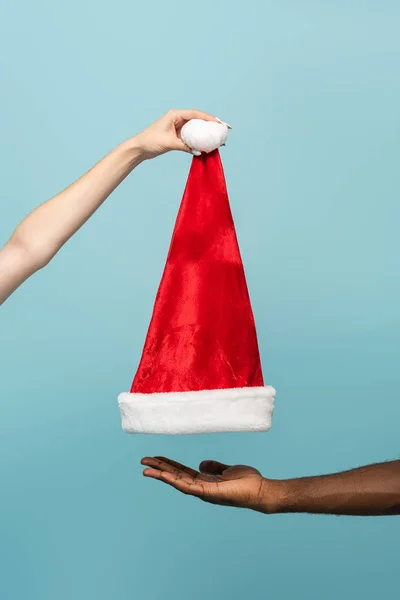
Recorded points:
(212, 467)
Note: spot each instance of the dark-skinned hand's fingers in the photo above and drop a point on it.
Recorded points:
(153, 473)
(188, 485)
(212, 467)
(161, 475)
(157, 463)
(178, 466)
(206, 491)
(180, 483)
(165, 465)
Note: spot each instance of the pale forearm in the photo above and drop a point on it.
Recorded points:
(48, 227)
(370, 490)
(44, 231)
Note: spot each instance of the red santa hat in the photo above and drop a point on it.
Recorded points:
(200, 370)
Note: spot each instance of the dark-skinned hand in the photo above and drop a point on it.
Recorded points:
(215, 482)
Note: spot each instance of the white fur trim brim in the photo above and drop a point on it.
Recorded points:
(207, 411)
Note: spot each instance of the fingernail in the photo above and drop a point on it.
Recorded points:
(224, 123)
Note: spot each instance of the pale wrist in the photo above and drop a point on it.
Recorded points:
(134, 150)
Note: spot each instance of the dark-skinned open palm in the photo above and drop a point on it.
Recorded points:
(215, 482)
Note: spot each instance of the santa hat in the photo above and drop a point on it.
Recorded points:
(200, 370)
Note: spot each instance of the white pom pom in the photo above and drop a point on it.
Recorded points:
(204, 136)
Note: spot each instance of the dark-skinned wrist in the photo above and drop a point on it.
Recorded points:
(274, 496)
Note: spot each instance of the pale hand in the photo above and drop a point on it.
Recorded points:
(164, 135)
(215, 482)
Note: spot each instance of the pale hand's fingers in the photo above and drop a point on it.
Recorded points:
(177, 144)
(182, 116)
(212, 467)
(187, 115)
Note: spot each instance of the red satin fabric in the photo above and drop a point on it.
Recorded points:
(202, 333)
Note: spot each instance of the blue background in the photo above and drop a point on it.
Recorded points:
(313, 92)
